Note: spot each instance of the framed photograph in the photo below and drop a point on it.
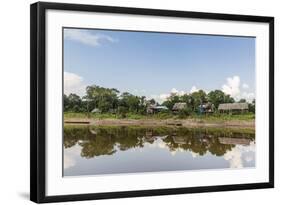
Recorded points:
(129, 102)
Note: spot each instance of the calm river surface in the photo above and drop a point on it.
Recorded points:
(113, 150)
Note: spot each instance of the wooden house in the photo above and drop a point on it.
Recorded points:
(233, 107)
(151, 109)
(206, 108)
(96, 110)
(179, 106)
(234, 141)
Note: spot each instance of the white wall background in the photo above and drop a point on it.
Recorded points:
(14, 100)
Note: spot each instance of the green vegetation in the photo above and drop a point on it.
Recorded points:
(217, 117)
(100, 103)
(162, 116)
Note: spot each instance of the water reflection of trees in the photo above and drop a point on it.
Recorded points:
(97, 141)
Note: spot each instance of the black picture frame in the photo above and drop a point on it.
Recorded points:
(38, 101)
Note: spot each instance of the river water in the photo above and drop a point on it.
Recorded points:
(114, 150)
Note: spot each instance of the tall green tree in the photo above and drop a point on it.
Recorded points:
(252, 106)
(171, 101)
(102, 98)
(65, 103)
(228, 99)
(189, 100)
(216, 97)
(73, 103)
(199, 98)
(129, 101)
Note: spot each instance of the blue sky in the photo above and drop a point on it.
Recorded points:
(156, 64)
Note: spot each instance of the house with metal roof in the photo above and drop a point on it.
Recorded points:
(155, 108)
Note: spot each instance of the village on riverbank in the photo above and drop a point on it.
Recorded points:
(106, 106)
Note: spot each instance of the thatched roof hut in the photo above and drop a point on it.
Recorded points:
(154, 108)
(179, 140)
(96, 110)
(179, 106)
(233, 106)
(234, 141)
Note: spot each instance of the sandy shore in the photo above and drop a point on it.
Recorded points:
(169, 122)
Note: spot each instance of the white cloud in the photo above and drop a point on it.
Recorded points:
(155, 97)
(245, 86)
(164, 96)
(177, 92)
(240, 153)
(234, 157)
(137, 91)
(68, 162)
(173, 153)
(69, 157)
(194, 154)
(181, 93)
(249, 97)
(73, 83)
(193, 89)
(232, 88)
(249, 158)
(174, 90)
(87, 37)
(160, 98)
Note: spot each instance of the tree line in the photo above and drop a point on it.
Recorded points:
(110, 100)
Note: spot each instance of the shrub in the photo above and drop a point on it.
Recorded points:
(185, 112)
